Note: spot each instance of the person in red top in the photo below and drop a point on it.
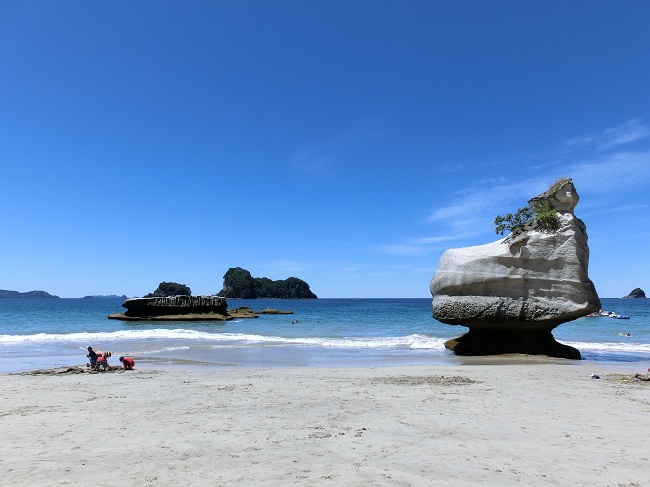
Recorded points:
(101, 364)
(127, 362)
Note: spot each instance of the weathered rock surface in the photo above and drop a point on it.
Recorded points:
(186, 308)
(174, 307)
(511, 293)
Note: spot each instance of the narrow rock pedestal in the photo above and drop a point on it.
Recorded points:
(500, 340)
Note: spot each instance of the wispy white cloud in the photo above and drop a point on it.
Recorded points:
(433, 240)
(326, 159)
(471, 204)
(281, 269)
(604, 208)
(604, 174)
(631, 131)
(314, 164)
(413, 269)
(450, 168)
(284, 268)
(469, 212)
(422, 246)
(612, 171)
(405, 249)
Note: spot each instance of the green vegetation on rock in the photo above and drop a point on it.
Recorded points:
(512, 221)
(238, 283)
(542, 217)
(166, 289)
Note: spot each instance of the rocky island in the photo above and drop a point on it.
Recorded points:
(238, 283)
(185, 308)
(172, 301)
(635, 293)
(513, 292)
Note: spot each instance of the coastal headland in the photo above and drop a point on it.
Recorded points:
(30, 294)
(509, 424)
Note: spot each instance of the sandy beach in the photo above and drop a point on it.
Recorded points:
(508, 424)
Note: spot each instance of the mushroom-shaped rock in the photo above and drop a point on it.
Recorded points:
(512, 293)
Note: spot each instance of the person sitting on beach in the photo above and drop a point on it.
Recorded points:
(127, 362)
(92, 356)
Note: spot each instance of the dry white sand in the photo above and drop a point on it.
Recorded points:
(519, 424)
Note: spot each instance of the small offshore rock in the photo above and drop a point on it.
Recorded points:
(635, 293)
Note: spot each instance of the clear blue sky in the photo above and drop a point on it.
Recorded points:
(347, 143)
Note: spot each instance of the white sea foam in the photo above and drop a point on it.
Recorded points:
(221, 339)
(611, 347)
(412, 341)
(183, 337)
(106, 336)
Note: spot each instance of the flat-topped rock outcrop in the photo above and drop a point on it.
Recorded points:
(175, 305)
(174, 308)
(185, 308)
(512, 293)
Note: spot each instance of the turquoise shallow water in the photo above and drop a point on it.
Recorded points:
(38, 333)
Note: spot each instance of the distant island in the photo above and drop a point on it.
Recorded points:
(635, 293)
(239, 284)
(105, 296)
(29, 294)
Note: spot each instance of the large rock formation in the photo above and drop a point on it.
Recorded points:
(174, 306)
(238, 283)
(185, 308)
(512, 293)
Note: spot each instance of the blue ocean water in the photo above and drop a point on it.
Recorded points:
(36, 333)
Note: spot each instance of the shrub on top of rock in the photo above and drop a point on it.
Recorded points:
(542, 211)
(166, 289)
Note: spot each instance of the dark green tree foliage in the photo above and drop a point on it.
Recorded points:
(170, 289)
(543, 217)
(265, 287)
(238, 283)
(293, 288)
(510, 221)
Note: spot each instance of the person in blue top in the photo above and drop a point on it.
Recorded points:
(92, 356)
